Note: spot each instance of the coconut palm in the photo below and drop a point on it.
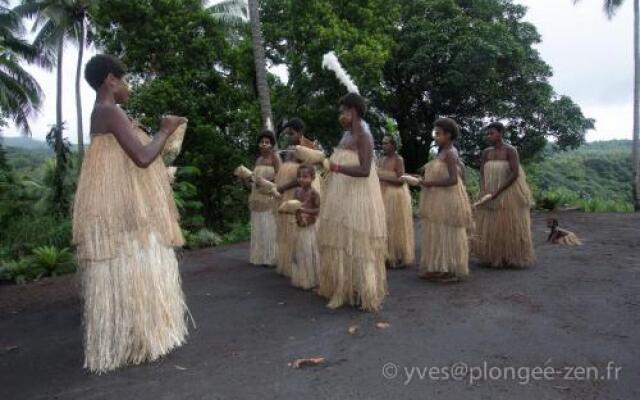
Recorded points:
(234, 13)
(20, 94)
(610, 8)
(55, 22)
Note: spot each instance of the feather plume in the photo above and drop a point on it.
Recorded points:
(330, 61)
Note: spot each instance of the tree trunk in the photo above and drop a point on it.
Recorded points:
(78, 96)
(260, 64)
(59, 195)
(636, 106)
(59, 87)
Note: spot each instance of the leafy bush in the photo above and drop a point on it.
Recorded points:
(202, 238)
(20, 271)
(240, 232)
(44, 261)
(54, 261)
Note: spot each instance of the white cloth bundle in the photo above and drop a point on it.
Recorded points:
(309, 156)
(242, 172)
(410, 180)
(267, 187)
(290, 206)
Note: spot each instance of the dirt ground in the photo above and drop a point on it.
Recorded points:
(540, 333)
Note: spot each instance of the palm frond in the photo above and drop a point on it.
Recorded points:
(230, 12)
(611, 7)
(19, 96)
(47, 39)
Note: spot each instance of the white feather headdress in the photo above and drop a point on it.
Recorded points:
(330, 61)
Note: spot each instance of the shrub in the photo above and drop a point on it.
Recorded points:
(240, 232)
(54, 261)
(202, 238)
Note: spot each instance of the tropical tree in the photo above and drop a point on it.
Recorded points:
(236, 13)
(20, 94)
(610, 9)
(261, 64)
(57, 21)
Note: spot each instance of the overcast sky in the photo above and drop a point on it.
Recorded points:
(591, 57)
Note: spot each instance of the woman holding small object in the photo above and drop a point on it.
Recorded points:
(125, 226)
(397, 205)
(445, 211)
(262, 204)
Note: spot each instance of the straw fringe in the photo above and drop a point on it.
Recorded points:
(503, 225)
(115, 197)
(134, 306)
(446, 218)
(286, 223)
(352, 238)
(444, 249)
(445, 205)
(263, 238)
(399, 218)
(306, 259)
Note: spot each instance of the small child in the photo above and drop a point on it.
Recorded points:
(558, 235)
(304, 273)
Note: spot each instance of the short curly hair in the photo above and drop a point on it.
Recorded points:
(448, 126)
(355, 101)
(266, 134)
(100, 66)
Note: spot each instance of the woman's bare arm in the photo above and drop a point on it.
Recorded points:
(117, 123)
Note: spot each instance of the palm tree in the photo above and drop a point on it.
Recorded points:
(20, 94)
(610, 9)
(261, 65)
(234, 13)
(57, 21)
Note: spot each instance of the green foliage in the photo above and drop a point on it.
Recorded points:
(44, 261)
(182, 61)
(202, 238)
(21, 94)
(55, 261)
(595, 177)
(239, 232)
(473, 60)
(20, 271)
(299, 33)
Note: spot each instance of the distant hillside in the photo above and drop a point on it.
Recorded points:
(23, 142)
(596, 170)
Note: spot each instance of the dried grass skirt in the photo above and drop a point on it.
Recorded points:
(263, 238)
(399, 217)
(503, 226)
(352, 238)
(135, 309)
(306, 260)
(445, 248)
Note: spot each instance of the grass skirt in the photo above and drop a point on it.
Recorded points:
(306, 260)
(399, 217)
(446, 217)
(263, 238)
(444, 249)
(352, 238)
(134, 306)
(503, 225)
(125, 225)
(286, 223)
(263, 221)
